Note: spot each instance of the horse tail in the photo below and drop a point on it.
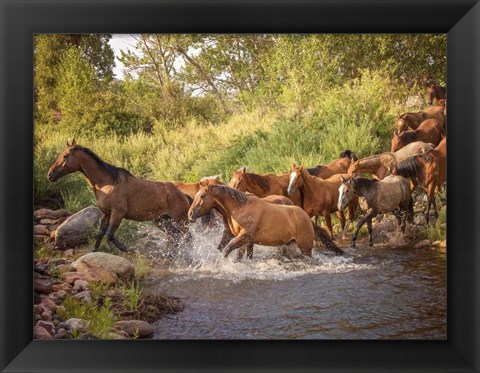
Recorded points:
(322, 236)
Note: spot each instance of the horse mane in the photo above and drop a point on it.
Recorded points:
(231, 192)
(408, 167)
(314, 171)
(261, 181)
(112, 171)
(368, 186)
(426, 156)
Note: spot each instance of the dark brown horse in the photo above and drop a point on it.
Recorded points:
(120, 195)
(320, 197)
(430, 168)
(391, 194)
(263, 185)
(429, 131)
(436, 91)
(254, 221)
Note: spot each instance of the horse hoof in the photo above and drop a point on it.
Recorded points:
(370, 244)
(353, 244)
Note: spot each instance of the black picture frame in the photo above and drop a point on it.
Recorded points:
(21, 19)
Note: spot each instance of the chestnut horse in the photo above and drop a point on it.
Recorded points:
(429, 131)
(430, 168)
(190, 189)
(120, 195)
(436, 91)
(338, 166)
(391, 194)
(379, 165)
(255, 221)
(263, 185)
(227, 234)
(320, 197)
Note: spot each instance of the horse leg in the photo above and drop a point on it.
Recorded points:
(226, 236)
(341, 216)
(241, 251)
(370, 230)
(103, 228)
(430, 197)
(115, 220)
(173, 232)
(250, 251)
(328, 222)
(369, 214)
(235, 243)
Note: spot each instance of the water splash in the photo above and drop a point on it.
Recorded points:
(202, 260)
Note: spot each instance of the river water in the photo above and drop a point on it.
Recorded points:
(378, 293)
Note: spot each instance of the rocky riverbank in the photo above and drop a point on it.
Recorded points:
(86, 295)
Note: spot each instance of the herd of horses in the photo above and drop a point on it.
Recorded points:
(277, 210)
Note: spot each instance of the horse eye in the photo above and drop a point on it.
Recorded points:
(66, 156)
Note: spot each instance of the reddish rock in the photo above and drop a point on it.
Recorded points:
(62, 286)
(40, 213)
(84, 295)
(40, 332)
(40, 230)
(43, 284)
(48, 326)
(78, 228)
(80, 285)
(47, 316)
(49, 303)
(48, 221)
(97, 275)
(62, 213)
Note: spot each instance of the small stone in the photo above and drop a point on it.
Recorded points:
(37, 317)
(443, 226)
(46, 316)
(139, 328)
(419, 220)
(49, 303)
(75, 324)
(85, 295)
(60, 213)
(436, 243)
(62, 286)
(57, 261)
(61, 309)
(423, 243)
(69, 253)
(48, 221)
(443, 243)
(41, 333)
(40, 213)
(57, 318)
(47, 325)
(80, 285)
(61, 294)
(61, 334)
(43, 284)
(40, 230)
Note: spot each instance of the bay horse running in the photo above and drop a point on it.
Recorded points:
(431, 169)
(338, 166)
(379, 165)
(120, 195)
(429, 131)
(263, 185)
(411, 121)
(437, 92)
(320, 197)
(391, 194)
(254, 221)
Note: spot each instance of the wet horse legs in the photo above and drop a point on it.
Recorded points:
(103, 228)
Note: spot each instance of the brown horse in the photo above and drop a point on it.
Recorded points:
(227, 234)
(255, 221)
(391, 194)
(320, 197)
(379, 165)
(263, 185)
(430, 168)
(413, 120)
(436, 91)
(120, 195)
(429, 131)
(338, 166)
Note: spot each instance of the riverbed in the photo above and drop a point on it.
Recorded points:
(369, 293)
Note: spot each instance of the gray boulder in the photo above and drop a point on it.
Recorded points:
(78, 228)
(138, 328)
(103, 262)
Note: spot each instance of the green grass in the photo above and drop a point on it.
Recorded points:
(434, 232)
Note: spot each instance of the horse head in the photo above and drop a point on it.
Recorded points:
(294, 179)
(397, 141)
(203, 201)
(345, 193)
(431, 93)
(402, 123)
(238, 180)
(65, 164)
(354, 169)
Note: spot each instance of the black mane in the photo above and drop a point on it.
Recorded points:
(364, 187)
(112, 171)
(348, 154)
(409, 136)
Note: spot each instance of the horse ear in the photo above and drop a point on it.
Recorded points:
(243, 169)
(203, 182)
(68, 145)
(294, 165)
(342, 179)
(74, 142)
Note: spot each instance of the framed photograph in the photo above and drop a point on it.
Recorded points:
(216, 96)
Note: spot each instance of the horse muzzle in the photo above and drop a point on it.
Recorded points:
(192, 216)
(290, 190)
(52, 176)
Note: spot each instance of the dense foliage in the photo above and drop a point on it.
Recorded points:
(197, 105)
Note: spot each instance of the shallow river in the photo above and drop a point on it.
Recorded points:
(367, 294)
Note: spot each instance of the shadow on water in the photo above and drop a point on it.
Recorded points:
(366, 294)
